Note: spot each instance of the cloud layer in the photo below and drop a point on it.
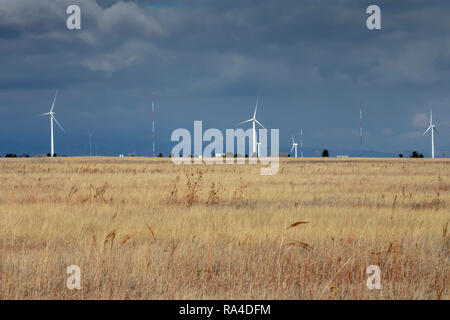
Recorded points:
(311, 62)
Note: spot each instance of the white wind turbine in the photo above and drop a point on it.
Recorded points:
(294, 146)
(432, 127)
(254, 121)
(52, 117)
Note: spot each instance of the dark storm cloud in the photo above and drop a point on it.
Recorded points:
(311, 62)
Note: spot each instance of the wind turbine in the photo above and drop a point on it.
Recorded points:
(432, 127)
(254, 121)
(52, 117)
(294, 146)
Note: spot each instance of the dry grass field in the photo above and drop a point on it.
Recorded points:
(143, 228)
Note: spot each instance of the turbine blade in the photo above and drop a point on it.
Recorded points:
(54, 99)
(259, 123)
(58, 123)
(435, 130)
(427, 130)
(244, 122)
(292, 148)
(256, 108)
(43, 114)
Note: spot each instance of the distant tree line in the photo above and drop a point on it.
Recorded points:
(23, 155)
(13, 155)
(414, 154)
(325, 154)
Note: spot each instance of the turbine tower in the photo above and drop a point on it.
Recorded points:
(259, 147)
(301, 142)
(294, 146)
(432, 127)
(153, 124)
(52, 117)
(254, 121)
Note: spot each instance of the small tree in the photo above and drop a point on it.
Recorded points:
(160, 155)
(325, 153)
(400, 155)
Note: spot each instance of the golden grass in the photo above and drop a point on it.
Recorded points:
(148, 229)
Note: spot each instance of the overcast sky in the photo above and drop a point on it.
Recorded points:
(311, 63)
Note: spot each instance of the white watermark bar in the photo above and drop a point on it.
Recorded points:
(235, 140)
